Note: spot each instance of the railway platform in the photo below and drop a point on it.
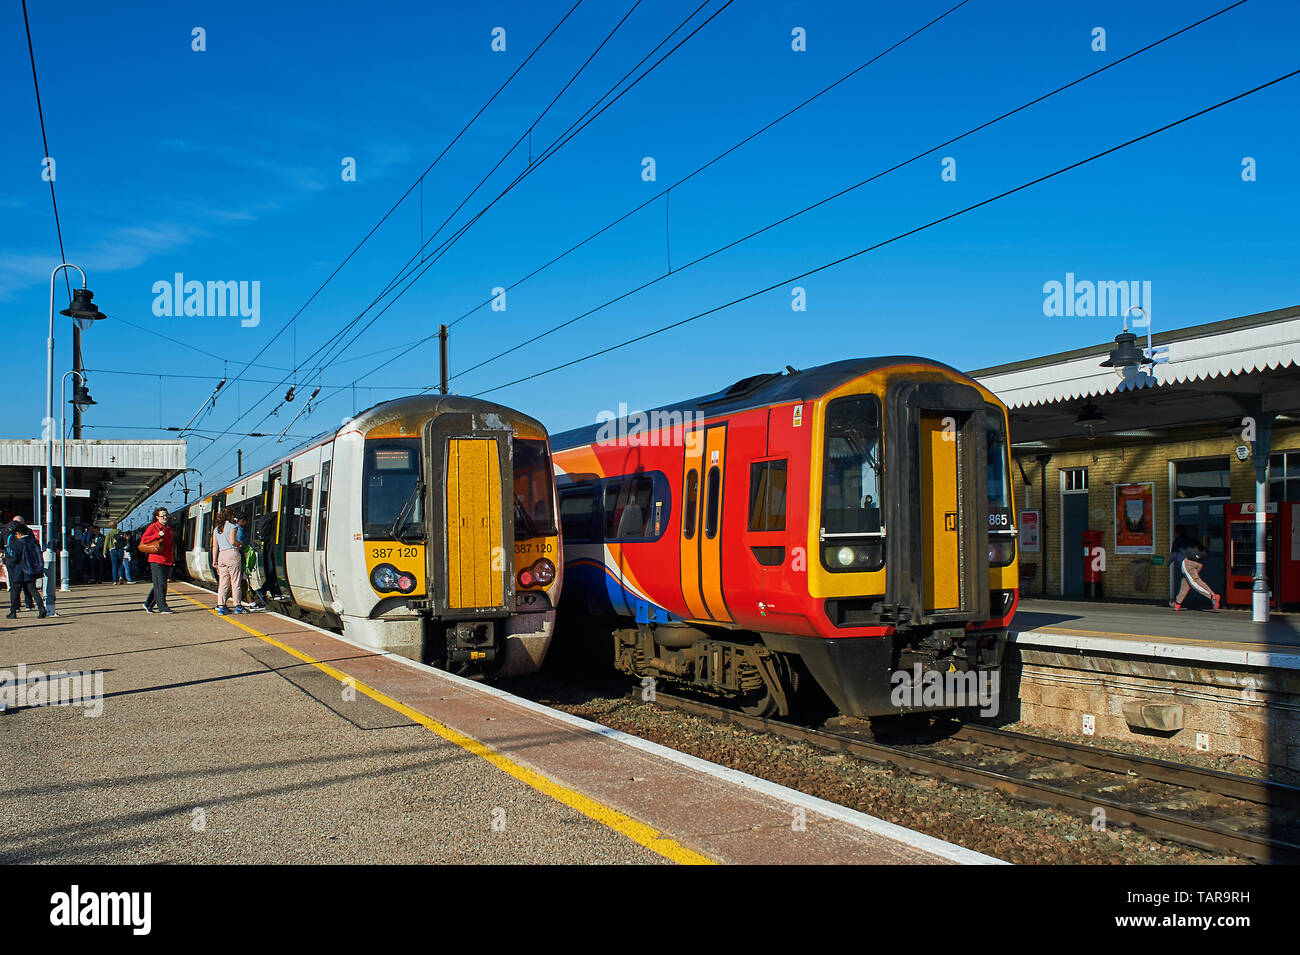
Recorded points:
(194, 738)
(1207, 681)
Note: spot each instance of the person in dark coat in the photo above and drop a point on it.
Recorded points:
(6, 533)
(160, 564)
(25, 565)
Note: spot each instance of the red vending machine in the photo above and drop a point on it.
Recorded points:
(1282, 546)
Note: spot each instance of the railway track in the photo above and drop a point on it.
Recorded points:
(1222, 812)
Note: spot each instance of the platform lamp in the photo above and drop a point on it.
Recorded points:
(85, 313)
(80, 400)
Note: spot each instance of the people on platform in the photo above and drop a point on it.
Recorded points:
(95, 552)
(120, 554)
(1188, 557)
(25, 565)
(225, 545)
(160, 544)
(6, 533)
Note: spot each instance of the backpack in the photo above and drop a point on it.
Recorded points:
(11, 549)
(33, 565)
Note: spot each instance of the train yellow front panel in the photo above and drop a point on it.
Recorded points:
(939, 517)
(474, 552)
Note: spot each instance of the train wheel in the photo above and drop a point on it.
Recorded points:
(760, 703)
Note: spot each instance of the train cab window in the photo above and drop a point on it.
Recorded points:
(767, 496)
(577, 514)
(323, 508)
(712, 495)
(391, 506)
(534, 484)
(1002, 533)
(852, 479)
(691, 505)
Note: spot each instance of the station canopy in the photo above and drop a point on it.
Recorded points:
(1217, 374)
(119, 476)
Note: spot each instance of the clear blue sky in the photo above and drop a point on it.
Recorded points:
(225, 165)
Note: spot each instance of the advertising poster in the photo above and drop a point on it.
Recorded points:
(1029, 532)
(1135, 518)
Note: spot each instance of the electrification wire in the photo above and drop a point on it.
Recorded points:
(407, 269)
(555, 146)
(201, 351)
(878, 245)
(258, 381)
(821, 202)
(416, 183)
(589, 115)
(201, 432)
(40, 113)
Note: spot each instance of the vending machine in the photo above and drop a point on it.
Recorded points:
(1281, 545)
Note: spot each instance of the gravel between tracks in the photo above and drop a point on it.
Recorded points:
(984, 821)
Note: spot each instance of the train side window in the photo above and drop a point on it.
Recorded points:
(204, 541)
(324, 505)
(691, 504)
(577, 513)
(767, 496)
(628, 507)
(711, 508)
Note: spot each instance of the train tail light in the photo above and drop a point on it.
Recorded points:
(540, 574)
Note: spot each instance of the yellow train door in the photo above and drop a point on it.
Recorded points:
(940, 523)
(475, 551)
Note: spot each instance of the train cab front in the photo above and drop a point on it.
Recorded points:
(493, 568)
(915, 561)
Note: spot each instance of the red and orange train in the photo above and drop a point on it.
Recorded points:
(843, 523)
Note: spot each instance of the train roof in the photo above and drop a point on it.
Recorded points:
(757, 391)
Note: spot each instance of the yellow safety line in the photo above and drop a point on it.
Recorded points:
(1156, 638)
(638, 832)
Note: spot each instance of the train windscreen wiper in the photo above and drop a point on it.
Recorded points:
(401, 515)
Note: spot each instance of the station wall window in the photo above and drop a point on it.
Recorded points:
(767, 496)
(1284, 476)
(1205, 478)
(1076, 479)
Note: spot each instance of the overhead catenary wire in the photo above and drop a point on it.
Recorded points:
(902, 235)
(408, 268)
(576, 127)
(560, 141)
(826, 199)
(40, 113)
(419, 180)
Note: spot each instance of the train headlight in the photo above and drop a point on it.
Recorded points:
(543, 572)
(1001, 552)
(853, 557)
(844, 556)
(386, 578)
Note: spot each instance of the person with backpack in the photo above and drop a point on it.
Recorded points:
(1188, 558)
(225, 544)
(25, 565)
(6, 534)
(160, 544)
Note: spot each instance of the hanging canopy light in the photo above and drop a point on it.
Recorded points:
(1126, 354)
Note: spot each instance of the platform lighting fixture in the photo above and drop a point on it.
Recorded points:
(82, 310)
(1088, 420)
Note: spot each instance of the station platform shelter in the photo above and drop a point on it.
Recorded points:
(1117, 461)
(107, 480)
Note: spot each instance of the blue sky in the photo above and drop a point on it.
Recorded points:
(225, 165)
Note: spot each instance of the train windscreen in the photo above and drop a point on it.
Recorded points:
(534, 497)
(1002, 535)
(392, 506)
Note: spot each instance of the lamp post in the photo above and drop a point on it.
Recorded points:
(80, 399)
(84, 312)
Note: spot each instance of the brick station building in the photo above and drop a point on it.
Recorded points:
(1131, 457)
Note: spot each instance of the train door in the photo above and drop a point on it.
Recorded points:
(475, 545)
(1074, 521)
(322, 521)
(273, 529)
(299, 531)
(940, 540)
(704, 471)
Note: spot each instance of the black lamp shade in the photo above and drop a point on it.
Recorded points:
(1126, 353)
(81, 397)
(82, 310)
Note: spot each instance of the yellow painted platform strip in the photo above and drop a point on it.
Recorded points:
(623, 824)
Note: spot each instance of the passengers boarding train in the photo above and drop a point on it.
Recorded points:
(424, 525)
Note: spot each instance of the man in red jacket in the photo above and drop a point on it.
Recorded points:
(160, 563)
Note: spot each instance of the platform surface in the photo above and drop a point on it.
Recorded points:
(255, 738)
(1276, 642)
